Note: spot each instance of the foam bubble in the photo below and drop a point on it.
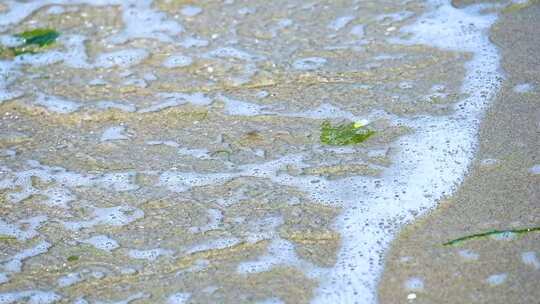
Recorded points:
(122, 58)
(340, 22)
(102, 242)
(115, 105)
(190, 11)
(178, 298)
(176, 99)
(535, 170)
(230, 52)
(114, 133)
(529, 258)
(3, 278)
(30, 297)
(57, 104)
(177, 61)
(358, 31)
(149, 254)
(190, 42)
(280, 253)
(238, 107)
(113, 216)
(496, 279)
(468, 255)
(69, 279)
(30, 224)
(141, 20)
(523, 88)
(414, 284)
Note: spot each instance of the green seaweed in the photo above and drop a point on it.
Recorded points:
(344, 134)
(490, 233)
(40, 36)
(7, 238)
(518, 6)
(72, 258)
(34, 40)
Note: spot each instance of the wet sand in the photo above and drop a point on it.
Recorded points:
(501, 191)
(169, 151)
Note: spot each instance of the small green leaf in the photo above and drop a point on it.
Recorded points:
(33, 41)
(344, 134)
(72, 258)
(41, 36)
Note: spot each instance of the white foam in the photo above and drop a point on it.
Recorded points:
(230, 52)
(178, 298)
(183, 181)
(280, 253)
(14, 264)
(102, 242)
(238, 107)
(30, 297)
(115, 105)
(56, 10)
(468, 255)
(114, 133)
(3, 278)
(57, 104)
(496, 279)
(177, 61)
(113, 216)
(414, 284)
(141, 20)
(196, 153)
(340, 22)
(30, 224)
(487, 162)
(10, 41)
(18, 11)
(428, 162)
(190, 42)
(169, 100)
(325, 111)
(535, 170)
(122, 58)
(69, 279)
(523, 88)
(59, 193)
(529, 258)
(149, 254)
(190, 11)
(358, 31)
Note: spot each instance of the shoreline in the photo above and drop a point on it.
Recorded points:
(498, 193)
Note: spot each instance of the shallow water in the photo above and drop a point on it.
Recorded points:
(169, 152)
